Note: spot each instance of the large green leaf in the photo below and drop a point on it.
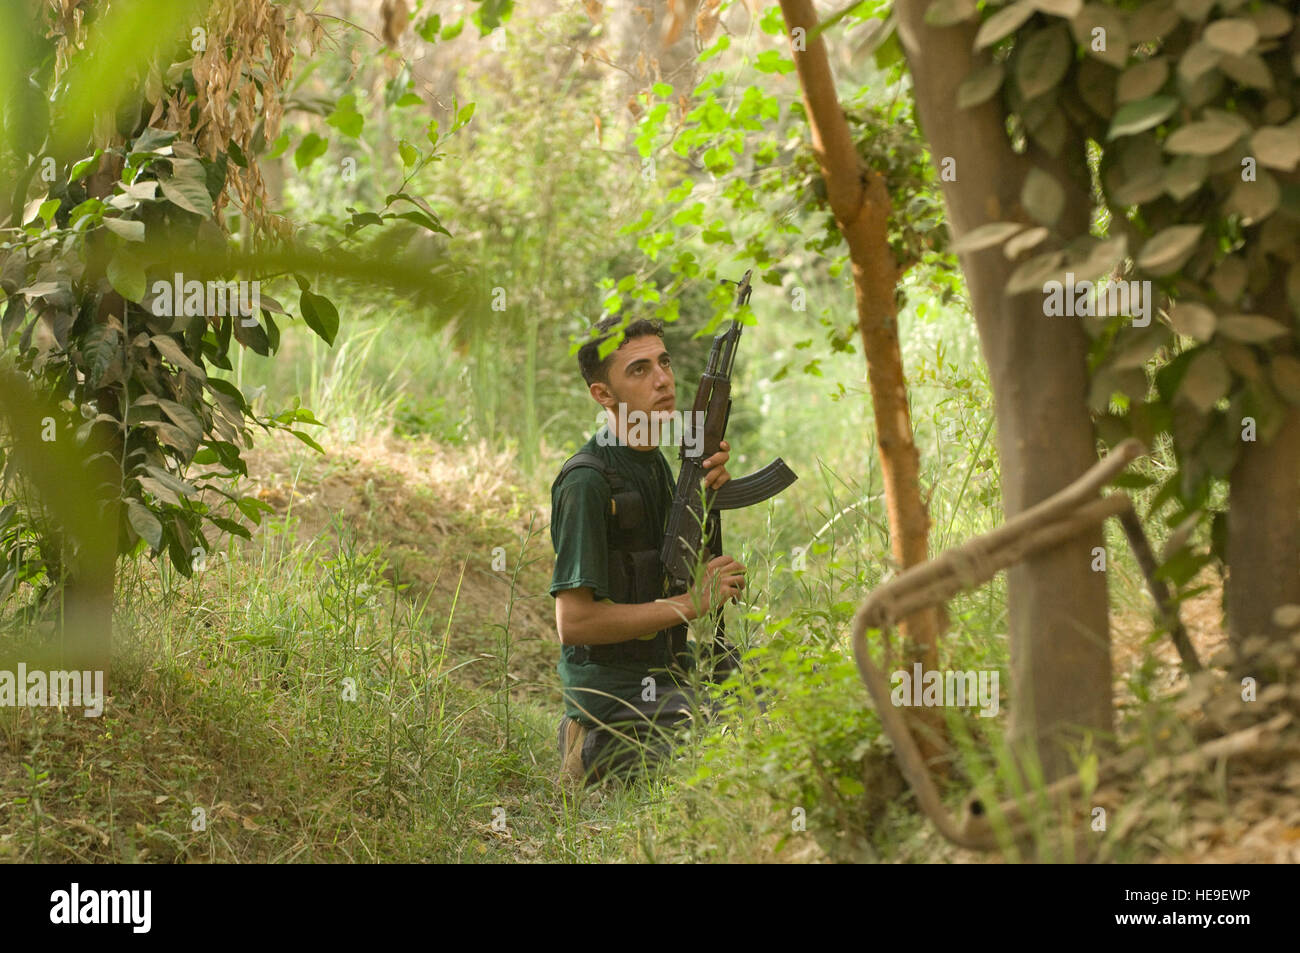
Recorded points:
(1235, 36)
(1142, 80)
(126, 275)
(320, 314)
(187, 187)
(1043, 61)
(1193, 319)
(1205, 138)
(1277, 146)
(1140, 116)
(1042, 197)
(1251, 328)
(168, 348)
(986, 236)
(1254, 201)
(1003, 23)
(1165, 253)
(1206, 382)
(145, 524)
(980, 85)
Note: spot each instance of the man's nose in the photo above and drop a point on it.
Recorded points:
(663, 375)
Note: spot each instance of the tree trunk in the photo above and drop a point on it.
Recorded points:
(1059, 632)
(1263, 547)
(860, 202)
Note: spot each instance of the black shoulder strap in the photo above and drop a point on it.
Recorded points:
(584, 459)
(626, 508)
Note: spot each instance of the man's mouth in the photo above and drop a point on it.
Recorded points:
(663, 400)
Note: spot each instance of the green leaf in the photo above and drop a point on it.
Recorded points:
(409, 99)
(1251, 328)
(1042, 197)
(428, 28)
(986, 236)
(1003, 23)
(1140, 116)
(1033, 274)
(943, 13)
(1207, 381)
(85, 166)
(131, 231)
(1142, 80)
(1205, 138)
(1234, 36)
(127, 277)
(1185, 175)
(662, 90)
(187, 187)
(168, 348)
(1066, 9)
(1277, 147)
(320, 314)
(1096, 22)
(452, 30)
(1043, 61)
(1023, 242)
(410, 154)
(172, 482)
(1193, 319)
(464, 116)
(230, 526)
(771, 61)
(309, 150)
(1165, 252)
(980, 85)
(308, 441)
(346, 119)
(1254, 201)
(145, 524)
(1285, 372)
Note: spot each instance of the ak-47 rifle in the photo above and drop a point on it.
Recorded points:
(694, 532)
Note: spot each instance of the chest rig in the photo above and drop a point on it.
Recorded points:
(636, 572)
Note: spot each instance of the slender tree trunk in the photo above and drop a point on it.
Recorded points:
(860, 202)
(1059, 632)
(1263, 550)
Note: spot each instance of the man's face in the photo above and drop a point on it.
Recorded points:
(641, 376)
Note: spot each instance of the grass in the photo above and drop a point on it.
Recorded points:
(365, 682)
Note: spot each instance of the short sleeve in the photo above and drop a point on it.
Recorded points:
(578, 507)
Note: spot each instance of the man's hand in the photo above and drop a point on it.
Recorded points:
(716, 465)
(723, 580)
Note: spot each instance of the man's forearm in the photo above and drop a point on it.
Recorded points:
(605, 623)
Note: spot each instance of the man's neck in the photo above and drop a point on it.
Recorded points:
(633, 429)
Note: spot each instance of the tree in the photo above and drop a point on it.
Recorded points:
(146, 167)
(860, 201)
(1158, 142)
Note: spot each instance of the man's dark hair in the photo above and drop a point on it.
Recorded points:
(589, 362)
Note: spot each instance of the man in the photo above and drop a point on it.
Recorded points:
(623, 657)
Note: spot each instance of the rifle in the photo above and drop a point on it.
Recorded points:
(694, 532)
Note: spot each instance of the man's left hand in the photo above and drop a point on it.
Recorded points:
(716, 466)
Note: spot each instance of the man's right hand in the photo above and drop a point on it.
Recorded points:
(722, 580)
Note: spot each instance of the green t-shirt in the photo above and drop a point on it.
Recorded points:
(579, 508)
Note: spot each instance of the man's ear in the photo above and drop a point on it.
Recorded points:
(603, 395)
